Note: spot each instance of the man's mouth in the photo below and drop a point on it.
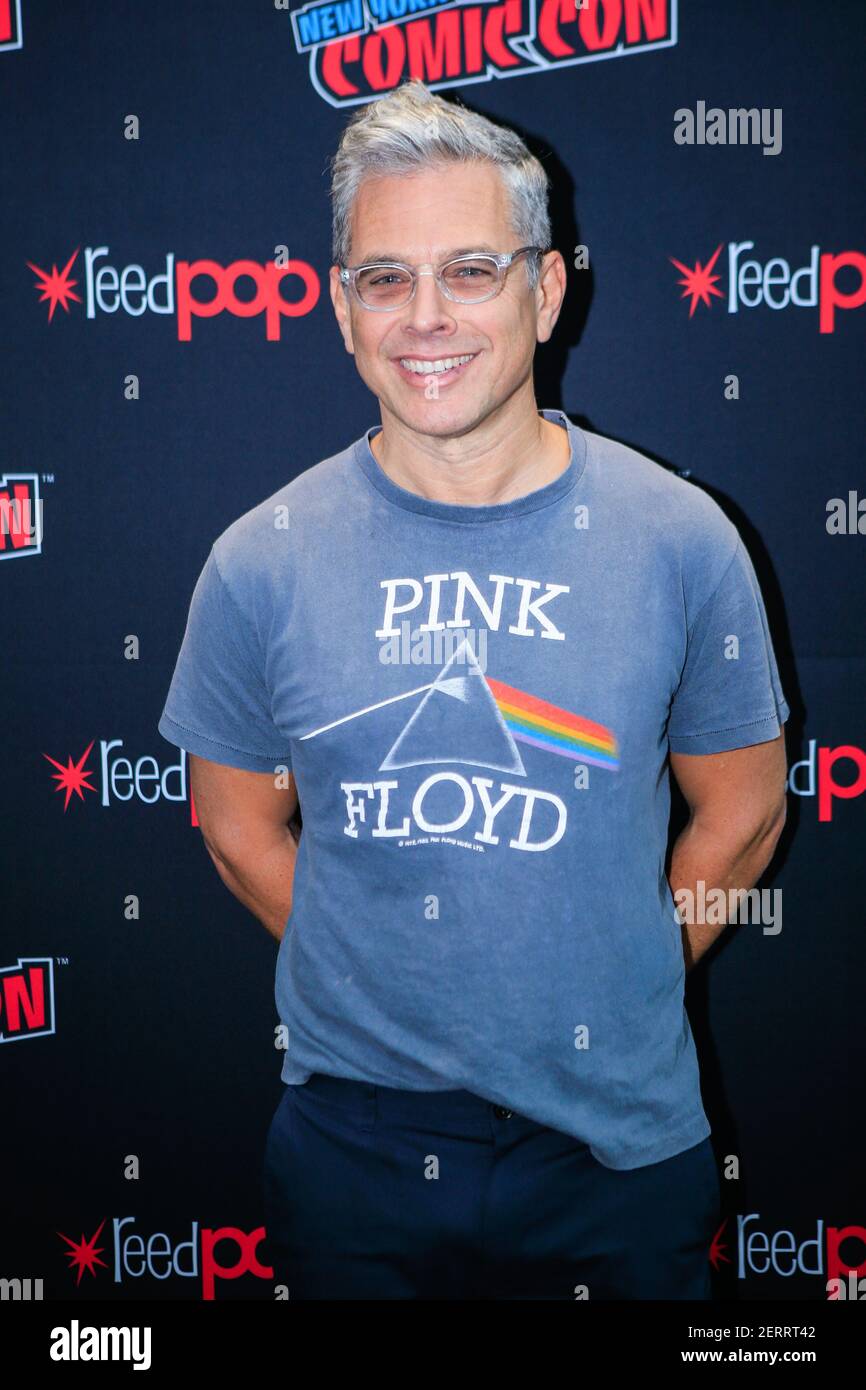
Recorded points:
(417, 369)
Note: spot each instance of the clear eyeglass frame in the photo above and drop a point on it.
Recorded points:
(349, 276)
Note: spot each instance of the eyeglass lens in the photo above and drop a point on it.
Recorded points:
(386, 287)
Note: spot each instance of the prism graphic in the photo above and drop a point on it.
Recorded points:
(457, 722)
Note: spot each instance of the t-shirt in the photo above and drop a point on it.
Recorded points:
(476, 703)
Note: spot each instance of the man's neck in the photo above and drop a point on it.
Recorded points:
(507, 456)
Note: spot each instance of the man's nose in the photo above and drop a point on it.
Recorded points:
(429, 308)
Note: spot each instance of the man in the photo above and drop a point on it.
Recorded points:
(467, 646)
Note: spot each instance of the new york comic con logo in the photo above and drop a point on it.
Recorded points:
(10, 25)
(20, 515)
(360, 49)
(27, 999)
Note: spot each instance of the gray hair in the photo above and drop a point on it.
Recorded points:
(412, 129)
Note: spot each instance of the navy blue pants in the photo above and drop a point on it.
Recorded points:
(376, 1193)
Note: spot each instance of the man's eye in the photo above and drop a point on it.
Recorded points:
(470, 270)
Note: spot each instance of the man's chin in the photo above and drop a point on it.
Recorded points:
(438, 418)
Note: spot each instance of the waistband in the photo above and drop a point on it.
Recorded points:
(471, 1112)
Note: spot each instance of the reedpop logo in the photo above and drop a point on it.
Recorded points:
(121, 779)
(157, 1257)
(781, 1254)
(815, 775)
(815, 285)
(108, 289)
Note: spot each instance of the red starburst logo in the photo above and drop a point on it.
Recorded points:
(84, 1254)
(717, 1249)
(56, 285)
(699, 282)
(73, 777)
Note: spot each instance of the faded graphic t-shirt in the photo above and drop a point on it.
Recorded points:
(477, 704)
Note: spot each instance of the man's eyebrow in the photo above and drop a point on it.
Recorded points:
(394, 256)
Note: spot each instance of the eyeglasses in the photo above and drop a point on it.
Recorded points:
(384, 285)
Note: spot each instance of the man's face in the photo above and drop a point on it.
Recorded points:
(427, 217)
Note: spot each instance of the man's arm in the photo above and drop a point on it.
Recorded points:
(244, 819)
(738, 806)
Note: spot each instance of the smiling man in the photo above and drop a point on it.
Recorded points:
(469, 648)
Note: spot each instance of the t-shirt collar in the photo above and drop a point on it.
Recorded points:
(498, 511)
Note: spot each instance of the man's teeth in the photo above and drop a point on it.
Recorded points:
(442, 364)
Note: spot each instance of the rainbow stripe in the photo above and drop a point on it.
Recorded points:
(535, 721)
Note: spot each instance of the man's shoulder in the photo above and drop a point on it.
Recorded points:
(661, 501)
(631, 474)
(265, 536)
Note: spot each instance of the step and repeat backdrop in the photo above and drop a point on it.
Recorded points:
(170, 358)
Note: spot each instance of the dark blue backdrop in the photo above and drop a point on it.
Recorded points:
(156, 1038)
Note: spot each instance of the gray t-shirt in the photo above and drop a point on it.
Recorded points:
(477, 703)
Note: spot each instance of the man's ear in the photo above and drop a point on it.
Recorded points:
(549, 294)
(339, 299)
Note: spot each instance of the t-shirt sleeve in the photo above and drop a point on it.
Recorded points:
(218, 704)
(729, 695)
